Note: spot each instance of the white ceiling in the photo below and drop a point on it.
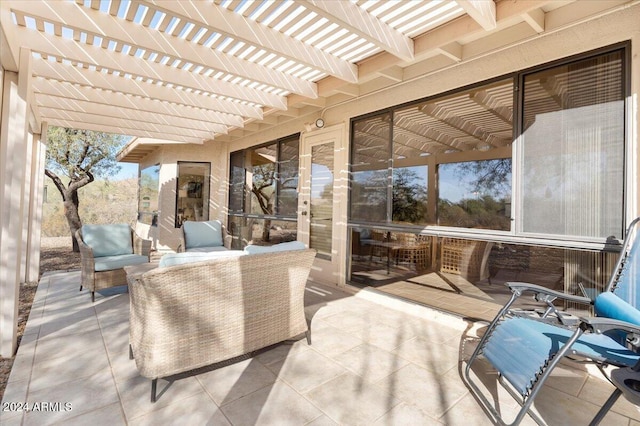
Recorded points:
(192, 71)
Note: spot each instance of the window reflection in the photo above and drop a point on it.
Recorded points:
(263, 179)
(475, 194)
(370, 162)
(263, 193)
(410, 195)
(425, 267)
(288, 163)
(573, 149)
(148, 190)
(257, 231)
(447, 144)
(192, 201)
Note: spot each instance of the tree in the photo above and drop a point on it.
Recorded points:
(79, 156)
(490, 176)
(409, 194)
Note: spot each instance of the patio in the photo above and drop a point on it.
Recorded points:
(374, 360)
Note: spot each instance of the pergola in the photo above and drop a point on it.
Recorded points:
(214, 72)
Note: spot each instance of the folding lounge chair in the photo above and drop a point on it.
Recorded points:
(524, 349)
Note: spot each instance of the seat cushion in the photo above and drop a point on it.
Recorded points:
(202, 234)
(206, 249)
(108, 240)
(291, 245)
(173, 259)
(109, 263)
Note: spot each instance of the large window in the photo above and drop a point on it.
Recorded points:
(148, 187)
(573, 148)
(263, 192)
(192, 198)
(452, 160)
(443, 161)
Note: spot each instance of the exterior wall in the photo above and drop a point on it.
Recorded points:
(166, 235)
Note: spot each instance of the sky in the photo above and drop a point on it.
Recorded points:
(127, 171)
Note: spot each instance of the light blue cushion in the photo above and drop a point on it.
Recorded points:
(173, 259)
(202, 234)
(108, 240)
(109, 263)
(611, 306)
(207, 249)
(292, 245)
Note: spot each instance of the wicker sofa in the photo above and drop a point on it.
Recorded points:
(104, 252)
(188, 316)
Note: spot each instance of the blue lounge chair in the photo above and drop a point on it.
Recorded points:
(524, 349)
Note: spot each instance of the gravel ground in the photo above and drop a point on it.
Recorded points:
(55, 255)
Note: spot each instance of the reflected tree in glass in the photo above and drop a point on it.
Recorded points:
(475, 194)
(149, 185)
(409, 196)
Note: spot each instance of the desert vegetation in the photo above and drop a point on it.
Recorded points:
(103, 201)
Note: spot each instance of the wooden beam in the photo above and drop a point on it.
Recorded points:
(125, 64)
(358, 21)
(218, 19)
(82, 125)
(394, 73)
(452, 50)
(154, 92)
(123, 123)
(535, 18)
(91, 98)
(482, 11)
(122, 31)
(179, 123)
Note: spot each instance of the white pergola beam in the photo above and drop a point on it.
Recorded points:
(218, 19)
(123, 31)
(535, 19)
(394, 73)
(91, 99)
(9, 55)
(183, 124)
(452, 50)
(154, 92)
(482, 11)
(127, 124)
(121, 131)
(125, 64)
(358, 21)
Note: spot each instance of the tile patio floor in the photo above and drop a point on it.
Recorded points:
(374, 361)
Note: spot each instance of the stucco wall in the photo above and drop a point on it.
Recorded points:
(165, 235)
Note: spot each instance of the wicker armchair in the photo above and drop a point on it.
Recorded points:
(106, 252)
(193, 315)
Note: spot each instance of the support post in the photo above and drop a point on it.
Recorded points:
(26, 204)
(35, 204)
(13, 151)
